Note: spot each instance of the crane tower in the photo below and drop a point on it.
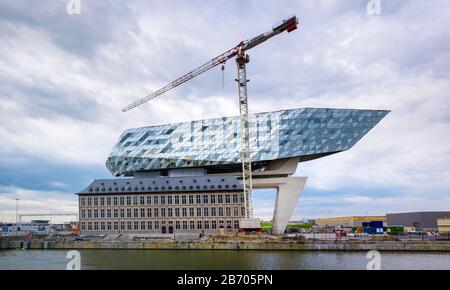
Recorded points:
(239, 52)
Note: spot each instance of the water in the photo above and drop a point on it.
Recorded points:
(219, 259)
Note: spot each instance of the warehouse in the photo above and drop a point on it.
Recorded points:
(418, 220)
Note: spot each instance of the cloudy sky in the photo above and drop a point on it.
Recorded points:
(65, 77)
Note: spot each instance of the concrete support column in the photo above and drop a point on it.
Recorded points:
(288, 193)
(287, 197)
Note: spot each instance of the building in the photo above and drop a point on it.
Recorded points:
(443, 225)
(35, 226)
(348, 222)
(418, 220)
(203, 204)
(203, 149)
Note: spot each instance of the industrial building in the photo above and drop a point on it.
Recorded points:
(443, 225)
(426, 220)
(348, 222)
(176, 160)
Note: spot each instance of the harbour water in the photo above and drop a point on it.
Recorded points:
(220, 259)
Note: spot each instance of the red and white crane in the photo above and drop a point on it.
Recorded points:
(239, 52)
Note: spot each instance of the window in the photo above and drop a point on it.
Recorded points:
(83, 214)
(191, 212)
(102, 226)
(184, 212)
(242, 211)
(95, 213)
(155, 212)
(89, 227)
(198, 199)
(169, 199)
(169, 212)
(235, 198)
(95, 226)
(236, 224)
(135, 200)
(183, 199)
(129, 225)
(149, 199)
(95, 201)
(149, 225)
(185, 226)
(108, 201)
(142, 225)
(177, 225)
(199, 211)
(108, 213)
(89, 202)
(122, 213)
(122, 225)
(136, 225)
(128, 200)
(155, 199)
(242, 198)
(220, 198)
(191, 199)
(156, 225)
(142, 200)
(102, 201)
(163, 199)
(115, 200)
(82, 201)
(128, 213)
(135, 212)
(191, 225)
(177, 212)
(205, 211)
(206, 225)
(102, 213)
(177, 199)
(116, 226)
(227, 198)
(205, 198)
(228, 211)
(108, 226)
(199, 225)
(213, 198)
(163, 212)
(213, 224)
(220, 211)
(149, 212)
(213, 211)
(142, 212)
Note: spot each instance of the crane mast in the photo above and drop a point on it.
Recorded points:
(239, 51)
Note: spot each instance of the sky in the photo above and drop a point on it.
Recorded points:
(64, 78)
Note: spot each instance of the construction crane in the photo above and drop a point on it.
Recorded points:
(239, 52)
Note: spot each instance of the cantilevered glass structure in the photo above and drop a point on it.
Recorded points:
(214, 144)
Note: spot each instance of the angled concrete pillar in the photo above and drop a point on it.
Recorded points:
(288, 193)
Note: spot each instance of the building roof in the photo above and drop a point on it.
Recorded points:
(162, 184)
(351, 218)
(309, 132)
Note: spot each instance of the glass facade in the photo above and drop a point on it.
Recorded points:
(212, 142)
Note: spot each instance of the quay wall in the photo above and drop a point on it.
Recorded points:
(236, 245)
